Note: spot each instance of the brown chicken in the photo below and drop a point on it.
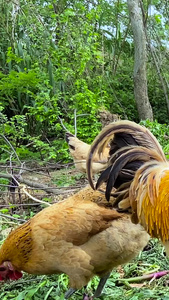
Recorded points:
(77, 237)
(79, 151)
(139, 171)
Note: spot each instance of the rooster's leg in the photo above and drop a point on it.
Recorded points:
(97, 293)
(69, 293)
(101, 285)
(99, 289)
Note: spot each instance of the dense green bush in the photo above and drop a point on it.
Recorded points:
(66, 58)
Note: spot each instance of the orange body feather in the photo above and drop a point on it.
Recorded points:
(77, 237)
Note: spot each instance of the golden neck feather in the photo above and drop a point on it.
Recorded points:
(153, 211)
(17, 246)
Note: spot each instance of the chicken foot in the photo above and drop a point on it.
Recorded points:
(97, 293)
(69, 293)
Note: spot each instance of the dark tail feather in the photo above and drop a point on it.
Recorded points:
(103, 177)
(122, 134)
(134, 154)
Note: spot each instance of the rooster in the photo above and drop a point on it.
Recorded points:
(79, 151)
(138, 170)
(79, 236)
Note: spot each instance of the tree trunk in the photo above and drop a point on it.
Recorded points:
(140, 79)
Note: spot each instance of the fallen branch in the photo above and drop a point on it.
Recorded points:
(151, 276)
(20, 204)
(12, 218)
(39, 186)
(26, 169)
(33, 198)
(32, 184)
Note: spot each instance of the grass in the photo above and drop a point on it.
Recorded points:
(68, 177)
(153, 258)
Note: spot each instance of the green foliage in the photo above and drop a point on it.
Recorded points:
(161, 132)
(58, 58)
(73, 74)
(15, 88)
(64, 178)
(3, 183)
